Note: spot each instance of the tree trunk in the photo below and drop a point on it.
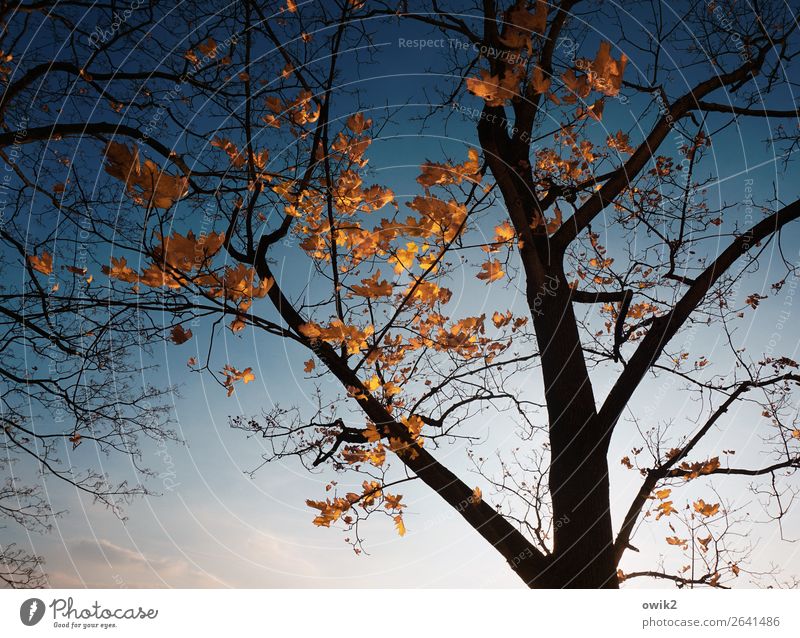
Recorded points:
(583, 552)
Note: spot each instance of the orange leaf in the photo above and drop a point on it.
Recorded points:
(477, 496)
(179, 335)
(665, 509)
(42, 264)
(491, 271)
(400, 525)
(706, 509)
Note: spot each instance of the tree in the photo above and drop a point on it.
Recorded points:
(609, 235)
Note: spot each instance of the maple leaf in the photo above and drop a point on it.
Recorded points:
(178, 335)
(76, 270)
(577, 85)
(358, 123)
(310, 330)
(119, 269)
(435, 174)
(337, 333)
(42, 263)
(491, 271)
(693, 470)
(662, 494)
(404, 257)
(75, 439)
(499, 320)
(665, 509)
(477, 496)
(495, 89)
(540, 83)
(309, 366)
(330, 510)
(504, 233)
(209, 48)
(238, 324)
(706, 509)
(674, 540)
(392, 501)
(238, 160)
(620, 142)
(371, 288)
(232, 375)
(520, 24)
(606, 71)
(400, 525)
(146, 183)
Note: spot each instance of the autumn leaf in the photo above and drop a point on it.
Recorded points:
(329, 510)
(665, 509)
(404, 257)
(42, 263)
(75, 439)
(477, 496)
(338, 333)
(674, 540)
(178, 335)
(238, 159)
(606, 72)
(754, 299)
(540, 83)
(400, 525)
(76, 270)
(392, 501)
(496, 89)
(147, 184)
(693, 470)
(371, 288)
(208, 48)
(232, 375)
(620, 142)
(310, 330)
(705, 509)
(499, 319)
(662, 494)
(504, 233)
(435, 174)
(238, 324)
(491, 271)
(309, 366)
(120, 270)
(358, 123)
